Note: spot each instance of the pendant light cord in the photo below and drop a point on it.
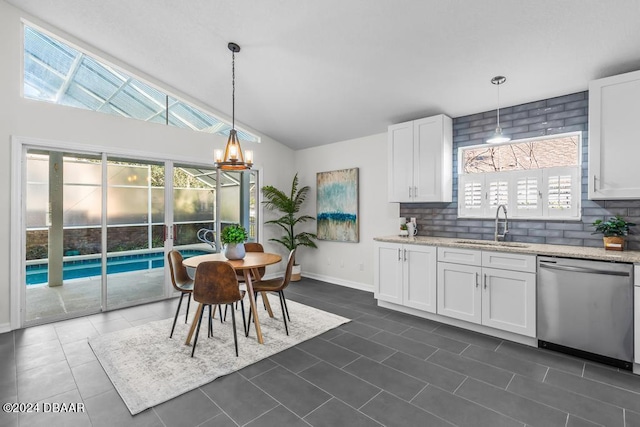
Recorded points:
(233, 90)
(498, 104)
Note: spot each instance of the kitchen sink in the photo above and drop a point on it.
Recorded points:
(491, 243)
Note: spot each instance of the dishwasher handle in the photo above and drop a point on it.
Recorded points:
(584, 270)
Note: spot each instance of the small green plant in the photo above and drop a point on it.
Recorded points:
(615, 226)
(403, 227)
(234, 233)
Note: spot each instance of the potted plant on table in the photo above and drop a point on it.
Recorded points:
(233, 237)
(613, 230)
(290, 205)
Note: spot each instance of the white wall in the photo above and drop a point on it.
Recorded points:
(33, 119)
(349, 264)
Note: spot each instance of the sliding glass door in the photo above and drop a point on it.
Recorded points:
(97, 228)
(63, 235)
(135, 224)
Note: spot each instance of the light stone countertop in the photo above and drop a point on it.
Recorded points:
(522, 248)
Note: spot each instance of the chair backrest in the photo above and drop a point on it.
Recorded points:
(287, 273)
(255, 247)
(216, 283)
(179, 276)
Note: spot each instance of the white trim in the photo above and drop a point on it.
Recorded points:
(16, 257)
(339, 281)
(5, 327)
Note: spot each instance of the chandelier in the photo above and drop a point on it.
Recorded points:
(233, 158)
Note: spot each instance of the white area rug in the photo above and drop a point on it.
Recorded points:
(147, 368)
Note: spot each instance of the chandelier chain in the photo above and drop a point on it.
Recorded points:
(233, 89)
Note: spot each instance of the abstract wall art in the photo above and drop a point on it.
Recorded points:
(337, 205)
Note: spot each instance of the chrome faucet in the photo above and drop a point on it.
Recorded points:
(497, 236)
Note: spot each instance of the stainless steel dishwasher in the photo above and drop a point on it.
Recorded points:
(585, 308)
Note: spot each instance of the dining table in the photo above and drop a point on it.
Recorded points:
(248, 266)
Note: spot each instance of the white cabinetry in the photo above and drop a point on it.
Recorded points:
(420, 160)
(636, 314)
(614, 108)
(406, 275)
(494, 289)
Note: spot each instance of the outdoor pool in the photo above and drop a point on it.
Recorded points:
(38, 273)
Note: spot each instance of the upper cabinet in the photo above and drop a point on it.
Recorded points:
(614, 108)
(420, 160)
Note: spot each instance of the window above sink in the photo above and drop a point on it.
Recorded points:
(537, 178)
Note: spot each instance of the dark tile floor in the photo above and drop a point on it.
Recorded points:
(384, 368)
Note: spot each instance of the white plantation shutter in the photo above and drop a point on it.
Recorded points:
(497, 189)
(470, 195)
(526, 188)
(562, 198)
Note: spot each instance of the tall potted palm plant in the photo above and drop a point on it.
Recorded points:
(289, 205)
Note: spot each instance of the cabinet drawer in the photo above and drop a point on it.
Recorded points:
(459, 256)
(509, 261)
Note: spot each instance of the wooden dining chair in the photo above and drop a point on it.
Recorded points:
(276, 285)
(181, 282)
(215, 284)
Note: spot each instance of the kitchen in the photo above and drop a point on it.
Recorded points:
(601, 117)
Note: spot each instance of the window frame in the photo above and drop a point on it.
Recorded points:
(479, 182)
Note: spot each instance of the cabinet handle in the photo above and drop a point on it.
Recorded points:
(477, 279)
(399, 259)
(485, 280)
(409, 191)
(405, 254)
(594, 184)
(415, 192)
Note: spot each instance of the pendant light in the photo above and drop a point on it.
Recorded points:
(233, 158)
(498, 137)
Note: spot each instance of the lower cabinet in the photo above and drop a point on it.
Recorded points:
(493, 289)
(406, 275)
(498, 298)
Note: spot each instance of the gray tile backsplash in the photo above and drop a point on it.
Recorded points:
(567, 113)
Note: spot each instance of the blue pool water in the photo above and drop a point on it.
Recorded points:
(38, 273)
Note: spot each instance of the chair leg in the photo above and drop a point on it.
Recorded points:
(175, 319)
(210, 329)
(226, 308)
(195, 340)
(248, 327)
(220, 312)
(284, 316)
(186, 315)
(235, 333)
(244, 321)
(285, 306)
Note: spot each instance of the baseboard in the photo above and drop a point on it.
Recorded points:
(337, 281)
(5, 327)
(532, 342)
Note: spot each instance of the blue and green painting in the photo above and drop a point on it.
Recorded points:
(337, 205)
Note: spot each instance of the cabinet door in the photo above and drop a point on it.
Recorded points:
(388, 272)
(459, 292)
(400, 162)
(614, 108)
(509, 301)
(432, 159)
(420, 277)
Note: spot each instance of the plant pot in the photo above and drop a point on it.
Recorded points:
(613, 243)
(234, 251)
(296, 273)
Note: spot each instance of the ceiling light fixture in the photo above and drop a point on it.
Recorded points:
(233, 158)
(498, 137)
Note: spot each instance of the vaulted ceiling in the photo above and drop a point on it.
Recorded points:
(316, 72)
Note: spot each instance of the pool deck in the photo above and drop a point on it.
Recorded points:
(84, 295)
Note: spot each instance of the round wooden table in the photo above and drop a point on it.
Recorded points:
(249, 267)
